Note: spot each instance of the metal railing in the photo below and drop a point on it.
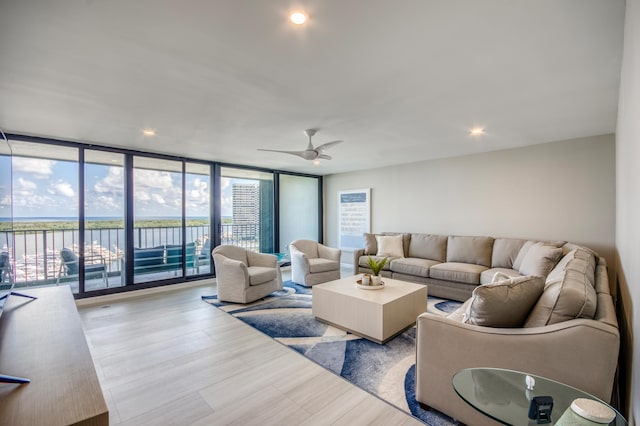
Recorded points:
(35, 254)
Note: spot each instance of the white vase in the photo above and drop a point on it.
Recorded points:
(376, 280)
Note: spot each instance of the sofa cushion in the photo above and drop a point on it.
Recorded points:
(487, 277)
(148, 256)
(370, 243)
(413, 266)
(428, 247)
(389, 246)
(363, 262)
(322, 265)
(456, 271)
(260, 274)
(505, 251)
(505, 303)
(540, 260)
(475, 250)
(573, 296)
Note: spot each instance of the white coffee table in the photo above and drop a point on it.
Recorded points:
(377, 315)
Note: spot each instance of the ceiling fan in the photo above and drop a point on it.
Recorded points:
(310, 153)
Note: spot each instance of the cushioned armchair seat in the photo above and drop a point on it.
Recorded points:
(313, 263)
(245, 276)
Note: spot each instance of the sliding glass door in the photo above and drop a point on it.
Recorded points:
(299, 209)
(198, 213)
(247, 200)
(157, 227)
(104, 219)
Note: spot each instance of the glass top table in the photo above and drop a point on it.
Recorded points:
(503, 395)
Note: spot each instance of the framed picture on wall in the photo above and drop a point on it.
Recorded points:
(354, 210)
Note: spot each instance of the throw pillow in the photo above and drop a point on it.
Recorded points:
(504, 304)
(389, 246)
(540, 260)
(370, 244)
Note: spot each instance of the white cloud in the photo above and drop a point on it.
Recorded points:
(62, 188)
(38, 167)
(26, 185)
(113, 182)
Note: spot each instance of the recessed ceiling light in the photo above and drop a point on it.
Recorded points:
(149, 132)
(477, 131)
(316, 162)
(298, 17)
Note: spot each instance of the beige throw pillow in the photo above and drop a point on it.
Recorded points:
(504, 304)
(390, 246)
(540, 260)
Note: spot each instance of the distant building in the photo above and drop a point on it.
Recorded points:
(246, 211)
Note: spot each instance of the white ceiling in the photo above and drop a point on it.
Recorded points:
(399, 81)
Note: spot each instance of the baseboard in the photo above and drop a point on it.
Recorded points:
(107, 298)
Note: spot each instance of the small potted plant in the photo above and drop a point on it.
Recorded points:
(376, 266)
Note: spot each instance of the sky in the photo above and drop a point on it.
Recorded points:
(49, 188)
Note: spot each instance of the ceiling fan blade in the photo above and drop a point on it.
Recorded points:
(324, 157)
(327, 145)
(307, 155)
(302, 154)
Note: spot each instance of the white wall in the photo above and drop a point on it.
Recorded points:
(556, 191)
(628, 206)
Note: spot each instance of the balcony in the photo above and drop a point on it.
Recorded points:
(36, 256)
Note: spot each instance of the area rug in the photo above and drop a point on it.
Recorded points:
(386, 371)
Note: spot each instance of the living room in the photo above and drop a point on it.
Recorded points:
(579, 185)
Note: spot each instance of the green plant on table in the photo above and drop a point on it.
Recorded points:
(376, 265)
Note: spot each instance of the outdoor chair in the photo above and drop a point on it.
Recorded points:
(6, 271)
(70, 263)
(245, 276)
(313, 263)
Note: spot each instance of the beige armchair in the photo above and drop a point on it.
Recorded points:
(245, 276)
(313, 263)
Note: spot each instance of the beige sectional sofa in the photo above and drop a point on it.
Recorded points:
(452, 266)
(544, 308)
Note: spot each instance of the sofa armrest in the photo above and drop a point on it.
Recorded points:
(262, 259)
(231, 271)
(299, 260)
(330, 253)
(356, 257)
(581, 353)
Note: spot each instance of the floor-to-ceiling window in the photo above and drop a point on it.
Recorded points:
(45, 214)
(103, 220)
(157, 227)
(6, 217)
(299, 208)
(247, 199)
(197, 214)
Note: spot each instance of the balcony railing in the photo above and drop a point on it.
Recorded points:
(35, 255)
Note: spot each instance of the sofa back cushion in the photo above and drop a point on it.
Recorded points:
(370, 243)
(476, 250)
(433, 247)
(540, 260)
(505, 251)
(569, 293)
(506, 303)
(152, 256)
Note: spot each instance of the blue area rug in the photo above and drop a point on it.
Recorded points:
(389, 370)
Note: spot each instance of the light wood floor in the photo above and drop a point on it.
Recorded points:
(171, 359)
